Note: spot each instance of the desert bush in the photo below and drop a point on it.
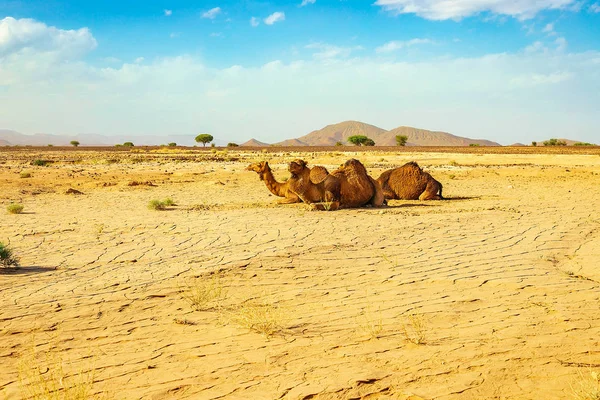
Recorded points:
(401, 140)
(74, 143)
(587, 386)
(160, 205)
(25, 174)
(534, 144)
(128, 144)
(473, 145)
(39, 163)
(231, 144)
(172, 144)
(7, 257)
(15, 208)
(156, 204)
(583, 144)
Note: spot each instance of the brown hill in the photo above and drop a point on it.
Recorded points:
(332, 134)
(292, 142)
(4, 143)
(254, 142)
(422, 137)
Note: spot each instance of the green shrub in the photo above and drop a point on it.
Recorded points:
(39, 163)
(172, 144)
(168, 202)
(15, 208)
(25, 174)
(231, 144)
(156, 205)
(554, 142)
(582, 144)
(7, 258)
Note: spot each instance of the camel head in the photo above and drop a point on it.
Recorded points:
(296, 167)
(259, 167)
(353, 165)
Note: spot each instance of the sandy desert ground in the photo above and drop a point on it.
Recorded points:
(491, 294)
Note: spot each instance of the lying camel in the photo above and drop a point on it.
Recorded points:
(409, 182)
(281, 189)
(314, 186)
(357, 187)
(348, 187)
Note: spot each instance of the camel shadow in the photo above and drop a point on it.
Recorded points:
(26, 270)
(452, 198)
(407, 205)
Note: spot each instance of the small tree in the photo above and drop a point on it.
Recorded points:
(401, 140)
(204, 138)
(358, 140)
(534, 144)
(231, 144)
(74, 143)
(172, 144)
(555, 142)
(339, 144)
(369, 142)
(128, 144)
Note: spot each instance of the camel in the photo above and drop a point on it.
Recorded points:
(314, 186)
(281, 189)
(348, 187)
(357, 188)
(409, 182)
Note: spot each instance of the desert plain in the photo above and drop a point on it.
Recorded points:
(493, 293)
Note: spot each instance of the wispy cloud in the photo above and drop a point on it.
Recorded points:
(561, 44)
(595, 8)
(540, 79)
(443, 9)
(275, 17)
(327, 51)
(168, 13)
(173, 35)
(212, 13)
(254, 22)
(401, 44)
(139, 60)
(549, 29)
(307, 2)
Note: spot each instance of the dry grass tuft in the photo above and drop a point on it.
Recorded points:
(42, 376)
(260, 317)
(7, 257)
(205, 294)
(371, 323)
(414, 329)
(587, 385)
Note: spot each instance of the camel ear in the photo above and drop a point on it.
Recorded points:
(303, 163)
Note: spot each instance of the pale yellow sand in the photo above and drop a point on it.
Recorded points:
(500, 282)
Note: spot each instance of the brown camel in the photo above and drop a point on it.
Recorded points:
(281, 189)
(409, 182)
(348, 187)
(357, 188)
(314, 186)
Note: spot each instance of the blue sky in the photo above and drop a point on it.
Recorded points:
(504, 70)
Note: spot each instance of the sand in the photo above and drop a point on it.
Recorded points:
(490, 294)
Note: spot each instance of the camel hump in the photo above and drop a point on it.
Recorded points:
(318, 174)
(412, 164)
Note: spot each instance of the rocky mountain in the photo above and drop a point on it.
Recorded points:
(292, 142)
(332, 134)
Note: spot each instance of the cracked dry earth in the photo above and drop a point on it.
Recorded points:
(491, 294)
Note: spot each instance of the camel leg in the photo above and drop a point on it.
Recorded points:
(431, 192)
(290, 199)
(378, 199)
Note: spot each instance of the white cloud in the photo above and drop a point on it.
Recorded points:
(540, 79)
(458, 9)
(307, 2)
(549, 29)
(327, 51)
(561, 44)
(400, 44)
(168, 13)
(212, 13)
(216, 34)
(595, 8)
(254, 21)
(535, 47)
(139, 60)
(501, 97)
(275, 17)
(17, 35)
